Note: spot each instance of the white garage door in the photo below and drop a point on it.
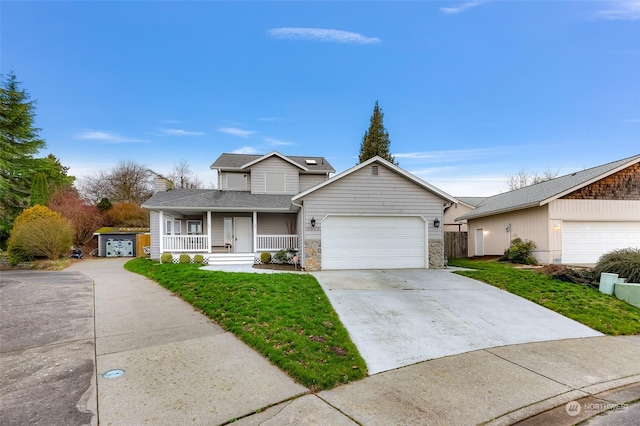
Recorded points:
(585, 242)
(373, 242)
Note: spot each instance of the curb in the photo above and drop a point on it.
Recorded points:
(575, 406)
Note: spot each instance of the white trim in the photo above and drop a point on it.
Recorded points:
(271, 154)
(209, 231)
(161, 218)
(255, 230)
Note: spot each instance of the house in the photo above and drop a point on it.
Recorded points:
(572, 219)
(374, 215)
(454, 211)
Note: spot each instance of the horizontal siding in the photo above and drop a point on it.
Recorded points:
(362, 193)
(307, 181)
(277, 165)
(224, 185)
(595, 210)
(275, 223)
(530, 224)
(154, 227)
(450, 214)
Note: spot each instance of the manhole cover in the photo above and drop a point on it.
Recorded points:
(113, 374)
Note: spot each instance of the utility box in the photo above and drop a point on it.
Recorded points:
(608, 282)
(119, 248)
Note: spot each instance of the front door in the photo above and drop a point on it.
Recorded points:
(242, 235)
(479, 242)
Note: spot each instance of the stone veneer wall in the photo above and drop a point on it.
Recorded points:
(623, 185)
(313, 255)
(436, 254)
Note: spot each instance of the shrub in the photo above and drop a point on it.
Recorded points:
(198, 258)
(18, 251)
(184, 258)
(281, 256)
(624, 262)
(166, 258)
(265, 257)
(49, 237)
(520, 252)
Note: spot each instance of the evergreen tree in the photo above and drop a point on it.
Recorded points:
(39, 190)
(376, 139)
(19, 142)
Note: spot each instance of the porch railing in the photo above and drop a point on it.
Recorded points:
(185, 243)
(276, 242)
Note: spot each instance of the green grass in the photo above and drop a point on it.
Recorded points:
(606, 314)
(285, 317)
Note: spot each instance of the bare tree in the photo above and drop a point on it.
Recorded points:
(128, 182)
(524, 178)
(183, 177)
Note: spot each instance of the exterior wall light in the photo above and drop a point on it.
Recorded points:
(436, 223)
(313, 222)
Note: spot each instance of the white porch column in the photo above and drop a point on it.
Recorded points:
(209, 231)
(255, 231)
(161, 219)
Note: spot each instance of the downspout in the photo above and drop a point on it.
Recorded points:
(301, 249)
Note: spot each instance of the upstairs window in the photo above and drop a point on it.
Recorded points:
(237, 181)
(274, 182)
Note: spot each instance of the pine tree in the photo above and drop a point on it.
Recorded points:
(19, 142)
(376, 139)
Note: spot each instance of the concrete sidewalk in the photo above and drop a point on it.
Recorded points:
(179, 368)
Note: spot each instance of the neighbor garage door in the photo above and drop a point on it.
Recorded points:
(585, 242)
(373, 242)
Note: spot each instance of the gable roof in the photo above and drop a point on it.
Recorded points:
(385, 163)
(239, 162)
(542, 193)
(213, 199)
(471, 201)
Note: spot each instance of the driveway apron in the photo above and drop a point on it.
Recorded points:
(400, 317)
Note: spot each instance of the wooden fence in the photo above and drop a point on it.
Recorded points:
(456, 244)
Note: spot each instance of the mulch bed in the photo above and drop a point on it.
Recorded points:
(278, 266)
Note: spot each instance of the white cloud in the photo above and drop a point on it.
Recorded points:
(459, 9)
(322, 34)
(245, 150)
(236, 132)
(454, 155)
(621, 10)
(180, 132)
(278, 142)
(108, 137)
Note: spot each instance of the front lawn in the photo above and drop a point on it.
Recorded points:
(285, 317)
(606, 314)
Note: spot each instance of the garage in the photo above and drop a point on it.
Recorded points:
(585, 242)
(374, 242)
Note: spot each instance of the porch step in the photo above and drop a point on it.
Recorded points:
(231, 259)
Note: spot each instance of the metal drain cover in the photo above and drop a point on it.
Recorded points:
(113, 374)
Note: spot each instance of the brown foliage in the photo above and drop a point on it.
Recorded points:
(84, 218)
(128, 214)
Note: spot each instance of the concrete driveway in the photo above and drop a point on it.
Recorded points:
(400, 317)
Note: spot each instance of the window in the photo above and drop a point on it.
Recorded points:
(237, 181)
(194, 227)
(172, 227)
(228, 230)
(274, 182)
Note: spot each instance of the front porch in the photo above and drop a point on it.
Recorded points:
(203, 244)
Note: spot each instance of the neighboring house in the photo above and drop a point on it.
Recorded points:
(572, 219)
(454, 211)
(374, 215)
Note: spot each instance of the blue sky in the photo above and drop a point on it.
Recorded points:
(471, 91)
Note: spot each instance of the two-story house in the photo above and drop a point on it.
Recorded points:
(374, 215)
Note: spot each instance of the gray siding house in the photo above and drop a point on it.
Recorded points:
(374, 215)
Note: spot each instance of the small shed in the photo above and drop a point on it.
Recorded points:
(121, 241)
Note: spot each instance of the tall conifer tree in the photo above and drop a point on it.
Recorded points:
(19, 142)
(376, 139)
